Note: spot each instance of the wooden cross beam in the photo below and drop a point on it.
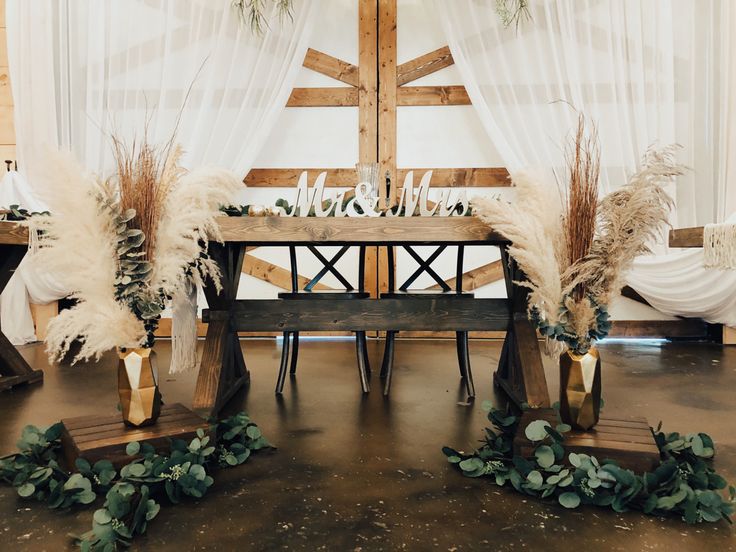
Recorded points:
(485, 177)
(477, 277)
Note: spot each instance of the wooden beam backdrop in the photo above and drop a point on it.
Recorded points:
(323, 97)
(332, 67)
(477, 277)
(686, 237)
(433, 95)
(387, 92)
(424, 65)
(274, 274)
(488, 177)
(368, 111)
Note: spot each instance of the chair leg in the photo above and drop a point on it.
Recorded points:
(388, 353)
(360, 347)
(364, 337)
(460, 353)
(463, 347)
(284, 363)
(294, 352)
(388, 361)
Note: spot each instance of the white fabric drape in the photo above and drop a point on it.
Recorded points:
(27, 283)
(82, 70)
(645, 72)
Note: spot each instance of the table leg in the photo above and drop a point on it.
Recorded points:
(14, 370)
(520, 371)
(222, 370)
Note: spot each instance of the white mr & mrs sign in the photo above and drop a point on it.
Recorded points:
(410, 199)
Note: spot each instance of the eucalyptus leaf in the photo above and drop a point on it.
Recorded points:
(545, 456)
(535, 431)
(569, 500)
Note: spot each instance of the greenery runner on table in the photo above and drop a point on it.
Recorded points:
(683, 484)
(130, 495)
(246, 211)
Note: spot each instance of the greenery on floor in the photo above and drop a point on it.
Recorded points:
(131, 496)
(684, 483)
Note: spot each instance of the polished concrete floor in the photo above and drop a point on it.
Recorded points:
(360, 473)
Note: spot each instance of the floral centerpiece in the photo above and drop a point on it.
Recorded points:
(127, 245)
(575, 249)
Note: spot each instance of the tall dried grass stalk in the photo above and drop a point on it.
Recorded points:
(575, 252)
(144, 178)
(583, 161)
(629, 220)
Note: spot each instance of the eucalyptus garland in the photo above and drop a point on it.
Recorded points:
(281, 203)
(684, 484)
(131, 496)
(565, 330)
(16, 213)
(133, 269)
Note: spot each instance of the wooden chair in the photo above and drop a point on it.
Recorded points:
(425, 266)
(290, 350)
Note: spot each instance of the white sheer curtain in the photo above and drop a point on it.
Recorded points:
(84, 69)
(645, 72)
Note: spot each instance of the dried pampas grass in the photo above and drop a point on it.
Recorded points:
(187, 223)
(79, 248)
(532, 223)
(629, 219)
(128, 244)
(575, 253)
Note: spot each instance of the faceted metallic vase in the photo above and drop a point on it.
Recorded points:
(138, 386)
(580, 388)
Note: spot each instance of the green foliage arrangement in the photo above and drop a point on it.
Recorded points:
(513, 12)
(131, 496)
(684, 484)
(256, 12)
(16, 213)
(244, 210)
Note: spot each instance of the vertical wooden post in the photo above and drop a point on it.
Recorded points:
(368, 112)
(520, 370)
(387, 91)
(222, 369)
(387, 84)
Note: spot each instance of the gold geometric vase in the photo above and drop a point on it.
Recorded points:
(580, 388)
(138, 386)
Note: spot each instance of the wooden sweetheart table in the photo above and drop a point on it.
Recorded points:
(14, 370)
(222, 369)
